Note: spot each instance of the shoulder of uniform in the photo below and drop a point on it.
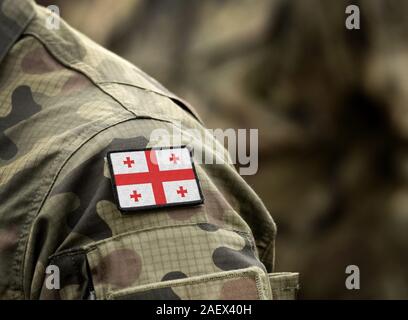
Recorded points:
(78, 52)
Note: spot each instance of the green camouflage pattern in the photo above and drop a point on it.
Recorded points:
(64, 103)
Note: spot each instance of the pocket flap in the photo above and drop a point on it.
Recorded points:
(244, 284)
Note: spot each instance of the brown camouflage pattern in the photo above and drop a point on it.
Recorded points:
(64, 103)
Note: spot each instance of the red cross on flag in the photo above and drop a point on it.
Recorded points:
(154, 178)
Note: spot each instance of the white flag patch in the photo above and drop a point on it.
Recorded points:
(154, 178)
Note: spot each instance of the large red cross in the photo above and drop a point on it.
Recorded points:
(154, 176)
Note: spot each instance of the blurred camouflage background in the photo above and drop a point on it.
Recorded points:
(331, 106)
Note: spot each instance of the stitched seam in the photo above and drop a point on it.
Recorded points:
(97, 83)
(73, 68)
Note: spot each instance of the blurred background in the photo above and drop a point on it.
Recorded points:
(331, 106)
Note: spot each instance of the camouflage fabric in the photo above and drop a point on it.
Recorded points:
(64, 103)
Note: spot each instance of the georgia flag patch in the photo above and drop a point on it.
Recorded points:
(153, 178)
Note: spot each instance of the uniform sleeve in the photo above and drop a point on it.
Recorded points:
(221, 249)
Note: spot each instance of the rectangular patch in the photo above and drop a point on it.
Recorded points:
(154, 178)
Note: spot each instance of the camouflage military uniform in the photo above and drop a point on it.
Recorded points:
(64, 103)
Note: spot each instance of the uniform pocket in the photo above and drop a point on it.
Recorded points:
(178, 253)
(198, 261)
(284, 285)
(246, 284)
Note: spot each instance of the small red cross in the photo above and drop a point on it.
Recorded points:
(129, 162)
(135, 195)
(181, 191)
(174, 158)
